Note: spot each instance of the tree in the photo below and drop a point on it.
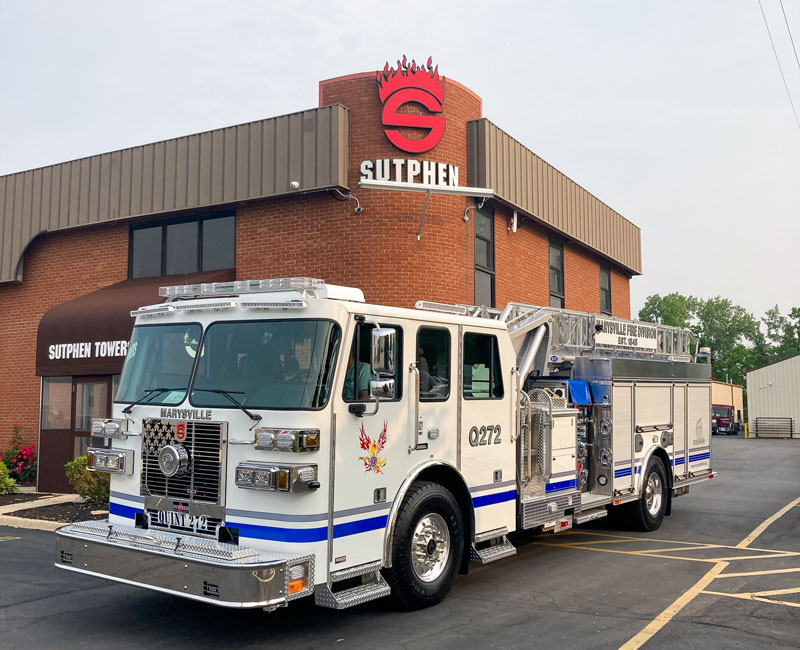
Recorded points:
(672, 309)
(782, 333)
(729, 330)
(723, 326)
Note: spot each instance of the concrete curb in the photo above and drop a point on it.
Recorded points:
(30, 524)
(39, 503)
(34, 524)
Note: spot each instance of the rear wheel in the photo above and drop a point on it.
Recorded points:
(647, 512)
(427, 547)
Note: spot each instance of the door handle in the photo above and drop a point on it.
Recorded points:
(414, 370)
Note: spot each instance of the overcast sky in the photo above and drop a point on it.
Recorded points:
(673, 113)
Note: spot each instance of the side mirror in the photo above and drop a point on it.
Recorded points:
(383, 350)
(381, 389)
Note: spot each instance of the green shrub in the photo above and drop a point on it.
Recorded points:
(92, 486)
(7, 484)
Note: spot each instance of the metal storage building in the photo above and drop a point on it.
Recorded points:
(773, 399)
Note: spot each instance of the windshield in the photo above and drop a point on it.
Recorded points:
(274, 364)
(718, 412)
(159, 356)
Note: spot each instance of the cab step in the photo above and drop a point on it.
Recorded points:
(370, 587)
(590, 515)
(491, 546)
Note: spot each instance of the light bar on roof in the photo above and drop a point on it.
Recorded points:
(458, 310)
(286, 304)
(242, 286)
(156, 309)
(200, 306)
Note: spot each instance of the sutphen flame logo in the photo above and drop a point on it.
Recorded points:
(412, 83)
(373, 462)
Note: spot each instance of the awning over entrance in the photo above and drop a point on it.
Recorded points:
(89, 335)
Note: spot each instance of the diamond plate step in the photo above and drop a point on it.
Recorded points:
(590, 515)
(374, 587)
(498, 548)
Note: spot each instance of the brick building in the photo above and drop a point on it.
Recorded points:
(401, 188)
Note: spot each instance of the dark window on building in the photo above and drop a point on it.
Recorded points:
(145, 252)
(605, 289)
(483, 378)
(218, 244)
(484, 256)
(433, 361)
(185, 246)
(359, 367)
(556, 273)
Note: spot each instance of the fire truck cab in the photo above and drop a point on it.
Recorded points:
(274, 439)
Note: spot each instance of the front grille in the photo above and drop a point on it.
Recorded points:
(202, 482)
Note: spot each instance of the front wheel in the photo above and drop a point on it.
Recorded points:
(427, 547)
(647, 512)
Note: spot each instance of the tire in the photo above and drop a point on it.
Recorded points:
(647, 513)
(427, 547)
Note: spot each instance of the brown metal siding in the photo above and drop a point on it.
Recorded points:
(522, 179)
(238, 163)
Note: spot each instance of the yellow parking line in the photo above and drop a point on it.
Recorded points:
(669, 613)
(777, 592)
(770, 572)
(8, 538)
(634, 553)
(751, 557)
(771, 601)
(699, 587)
(766, 523)
(677, 549)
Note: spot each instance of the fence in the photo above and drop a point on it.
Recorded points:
(773, 427)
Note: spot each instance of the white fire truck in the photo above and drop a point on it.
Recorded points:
(274, 439)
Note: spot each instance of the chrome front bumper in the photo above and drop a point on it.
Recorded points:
(191, 567)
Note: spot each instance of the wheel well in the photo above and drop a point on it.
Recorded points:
(449, 478)
(662, 455)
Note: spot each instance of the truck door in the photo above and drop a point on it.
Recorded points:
(371, 451)
(436, 434)
(487, 452)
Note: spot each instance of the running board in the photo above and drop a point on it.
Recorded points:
(590, 515)
(372, 587)
(491, 546)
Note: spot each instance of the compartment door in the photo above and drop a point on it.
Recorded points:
(622, 402)
(679, 460)
(699, 427)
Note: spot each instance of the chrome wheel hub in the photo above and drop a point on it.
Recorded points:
(173, 460)
(653, 494)
(430, 547)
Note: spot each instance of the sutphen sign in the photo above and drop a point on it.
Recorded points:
(409, 83)
(399, 170)
(398, 87)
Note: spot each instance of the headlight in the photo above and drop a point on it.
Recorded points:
(116, 429)
(287, 439)
(115, 461)
(252, 475)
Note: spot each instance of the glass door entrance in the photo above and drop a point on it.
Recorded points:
(68, 406)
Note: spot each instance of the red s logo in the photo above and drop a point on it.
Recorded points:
(410, 83)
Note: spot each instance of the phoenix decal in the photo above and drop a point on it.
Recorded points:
(373, 462)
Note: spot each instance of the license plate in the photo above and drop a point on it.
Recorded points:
(180, 520)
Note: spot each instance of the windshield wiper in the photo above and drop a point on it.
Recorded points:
(230, 395)
(148, 393)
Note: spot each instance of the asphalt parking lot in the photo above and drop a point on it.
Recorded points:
(722, 572)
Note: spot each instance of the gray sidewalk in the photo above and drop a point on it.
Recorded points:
(36, 524)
